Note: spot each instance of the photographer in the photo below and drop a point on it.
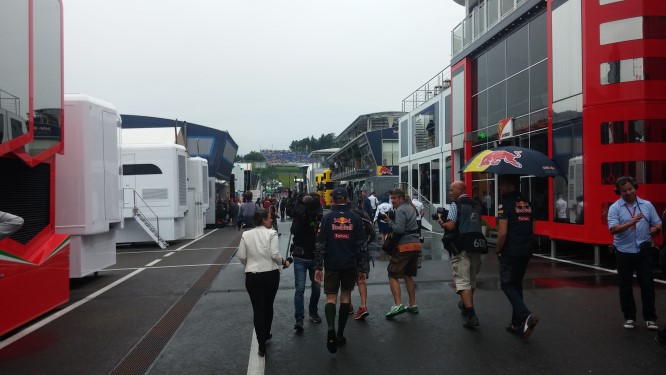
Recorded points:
(306, 217)
(632, 221)
(464, 219)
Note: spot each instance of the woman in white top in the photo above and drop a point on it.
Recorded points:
(258, 251)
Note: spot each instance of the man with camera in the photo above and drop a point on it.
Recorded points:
(341, 249)
(632, 221)
(464, 219)
(306, 217)
(404, 263)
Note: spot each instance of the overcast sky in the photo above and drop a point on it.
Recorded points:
(266, 71)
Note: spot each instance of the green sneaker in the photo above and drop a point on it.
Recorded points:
(395, 310)
(412, 309)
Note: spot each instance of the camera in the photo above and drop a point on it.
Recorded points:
(442, 213)
(390, 214)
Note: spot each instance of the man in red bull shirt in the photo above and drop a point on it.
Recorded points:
(340, 248)
(514, 249)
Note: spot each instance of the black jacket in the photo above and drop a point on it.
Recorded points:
(341, 243)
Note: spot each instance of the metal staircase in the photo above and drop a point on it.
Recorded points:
(140, 217)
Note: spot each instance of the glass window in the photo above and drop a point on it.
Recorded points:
(506, 6)
(404, 175)
(516, 53)
(567, 50)
(14, 102)
(425, 128)
(621, 30)
(493, 11)
(424, 180)
(415, 176)
(497, 62)
(480, 78)
(47, 77)
(655, 27)
(605, 2)
(538, 39)
(140, 169)
(539, 86)
(539, 120)
(496, 103)
(644, 172)
(404, 143)
(435, 178)
(390, 152)
(480, 111)
(521, 124)
(633, 131)
(568, 154)
(447, 177)
(447, 119)
(517, 95)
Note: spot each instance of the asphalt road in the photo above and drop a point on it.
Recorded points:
(185, 311)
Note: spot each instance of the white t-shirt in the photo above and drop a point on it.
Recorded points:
(561, 206)
(419, 208)
(382, 209)
(373, 201)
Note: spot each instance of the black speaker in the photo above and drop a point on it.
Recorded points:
(623, 180)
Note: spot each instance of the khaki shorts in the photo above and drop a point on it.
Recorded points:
(465, 267)
(403, 264)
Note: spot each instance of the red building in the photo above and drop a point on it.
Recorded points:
(34, 261)
(583, 81)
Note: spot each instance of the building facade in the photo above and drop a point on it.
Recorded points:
(579, 80)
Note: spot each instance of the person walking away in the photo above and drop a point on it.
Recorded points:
(246, 212)
(283, 208)
(233, 212)
(384, 208)
(465, 218)
(304, 227)
(488, 203)
(340, 249)
(258, 251)
(403, 264)
(514, 249)
(632, 221)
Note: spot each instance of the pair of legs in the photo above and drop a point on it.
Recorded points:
(465, 267)
(262, 288)
(301, 268)
(641, 263)
(403, 265)
(512, 272)
(334, 281)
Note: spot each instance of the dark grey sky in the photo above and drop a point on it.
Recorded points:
(267, 71)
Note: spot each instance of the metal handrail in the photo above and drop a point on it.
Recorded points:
(134, 206)
(435, 85)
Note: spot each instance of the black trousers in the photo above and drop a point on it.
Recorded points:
(262, 288)
(641, 263)
(512, 272)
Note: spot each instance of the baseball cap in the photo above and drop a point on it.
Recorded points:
(339, 193)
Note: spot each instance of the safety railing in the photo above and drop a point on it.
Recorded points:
(135, 208)
(479, 21)
(440, 82)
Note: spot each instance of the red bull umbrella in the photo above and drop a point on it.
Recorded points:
(512, 160)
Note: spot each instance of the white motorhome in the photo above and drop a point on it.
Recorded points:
(197, 197)
(154, 182)
(88, 198)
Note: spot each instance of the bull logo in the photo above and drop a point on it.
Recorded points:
(495, 157)
(383, 171)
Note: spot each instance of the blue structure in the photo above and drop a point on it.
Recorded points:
(214, 145)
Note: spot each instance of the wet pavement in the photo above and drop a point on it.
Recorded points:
(173, 317)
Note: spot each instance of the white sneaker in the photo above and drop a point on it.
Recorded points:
(629, 324)
(651, 325)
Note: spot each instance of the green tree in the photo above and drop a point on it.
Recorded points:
(253, 156)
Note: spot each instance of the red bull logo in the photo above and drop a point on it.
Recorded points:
(495, 157)
(384, 171)
(342, 223)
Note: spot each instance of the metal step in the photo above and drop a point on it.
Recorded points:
(149, 228)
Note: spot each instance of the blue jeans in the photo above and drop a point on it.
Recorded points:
(512, 271)
(301, 267)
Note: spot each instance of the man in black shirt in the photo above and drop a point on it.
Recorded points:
(514, 249)
(341, 248)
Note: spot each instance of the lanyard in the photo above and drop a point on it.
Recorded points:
(632, 214)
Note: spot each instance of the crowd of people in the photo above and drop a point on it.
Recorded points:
(286, 157)
(332, 250)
